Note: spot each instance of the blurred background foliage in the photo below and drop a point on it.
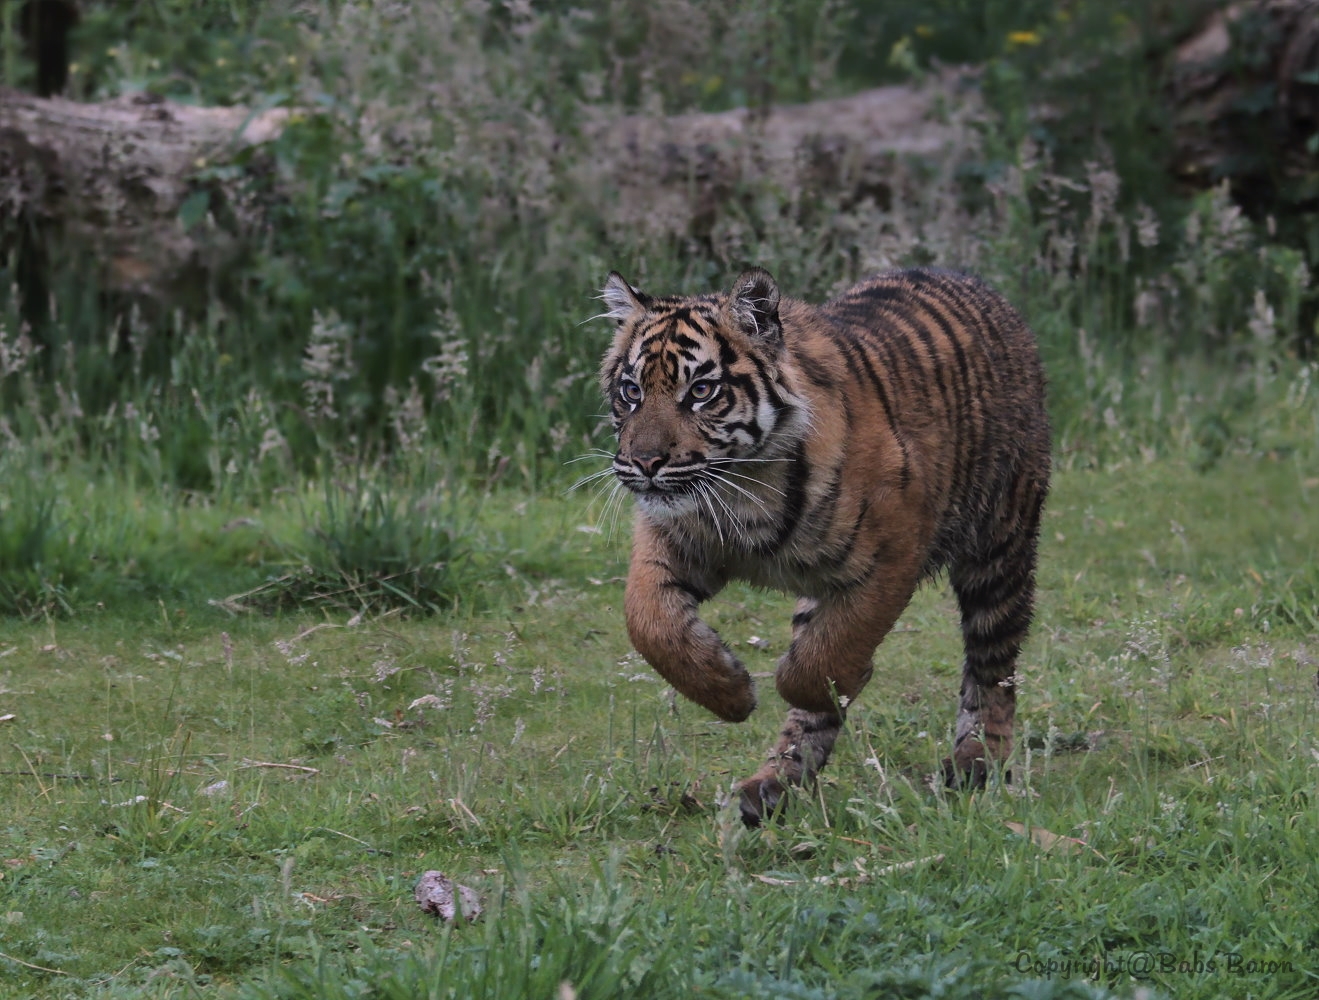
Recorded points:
(433, 235)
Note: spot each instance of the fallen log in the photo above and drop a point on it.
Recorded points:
(676, 174)
(114, 178)
(130, 181)
(111, 179)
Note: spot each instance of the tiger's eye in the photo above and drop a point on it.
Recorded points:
(630, 392)
(701, 391)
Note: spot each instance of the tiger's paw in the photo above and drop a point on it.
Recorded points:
(725, 688)
(969, 767)
(734, 701)
(964, 779)
(760, 799)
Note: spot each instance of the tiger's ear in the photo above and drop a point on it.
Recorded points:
(754, 306)
(622, 301)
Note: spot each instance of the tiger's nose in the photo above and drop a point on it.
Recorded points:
(649, 465)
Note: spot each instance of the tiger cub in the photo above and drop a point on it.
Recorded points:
(843, 453)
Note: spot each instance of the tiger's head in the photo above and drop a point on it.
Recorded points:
(694, 386)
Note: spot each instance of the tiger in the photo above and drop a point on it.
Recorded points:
(843, 453)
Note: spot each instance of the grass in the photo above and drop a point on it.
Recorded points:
(205, 805)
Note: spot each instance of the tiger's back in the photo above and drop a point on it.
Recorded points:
(842, 453)
(955, 372)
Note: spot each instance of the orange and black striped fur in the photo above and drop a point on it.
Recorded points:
(842, 453)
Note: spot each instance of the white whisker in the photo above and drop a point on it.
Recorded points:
(736, 519)
(749, 479)
(593, 477)
(613, 506)
(704, 492)
(714, 493)
(593, 453)
(601, 489)
(758, 501)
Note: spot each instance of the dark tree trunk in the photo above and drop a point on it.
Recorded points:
(1245, 94)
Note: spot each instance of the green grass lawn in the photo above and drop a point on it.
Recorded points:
(198, 804)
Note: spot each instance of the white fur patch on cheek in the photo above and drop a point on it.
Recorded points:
(743, 438)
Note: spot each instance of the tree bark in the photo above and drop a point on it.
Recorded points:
(1245, 95)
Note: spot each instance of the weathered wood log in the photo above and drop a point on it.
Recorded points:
(112, 177)
(109, 179)
(677, 174)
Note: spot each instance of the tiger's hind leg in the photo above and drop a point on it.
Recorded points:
(996, 593)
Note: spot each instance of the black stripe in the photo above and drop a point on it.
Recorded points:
(727, 356)
(897, 335)
(859, 364)
(756, 432)
(1000, 589)
(823, 510)
(877, 559)
(809, 727)
(1014, 623)
(961, 419)
(815, 372)
(794, 500)
(747, 385)
(686, 343)
(854, 532)
(901, 326)
(691, 590)
(981, 308)
(1008, 548)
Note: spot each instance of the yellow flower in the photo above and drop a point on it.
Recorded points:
(901, 55)
(1016, 38)
(924, 31)
(221, 61)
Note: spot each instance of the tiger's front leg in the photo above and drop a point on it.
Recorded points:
(660, 607)
(825, 668)
(805, 743)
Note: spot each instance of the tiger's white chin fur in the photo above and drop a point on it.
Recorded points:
(667, 506)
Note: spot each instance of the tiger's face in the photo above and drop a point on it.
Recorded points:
(693, 387)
